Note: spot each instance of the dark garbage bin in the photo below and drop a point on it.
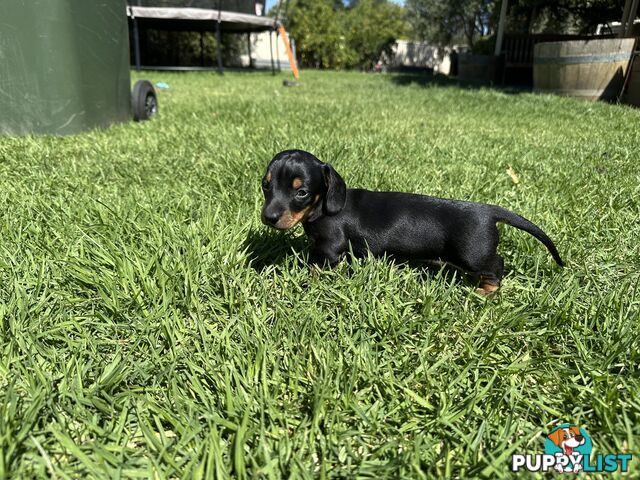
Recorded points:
(64, 65)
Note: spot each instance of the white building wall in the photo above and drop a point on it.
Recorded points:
(407, 53)
(260, 51)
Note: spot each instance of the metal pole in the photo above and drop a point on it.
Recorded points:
(249, 49)
(277, 50)
(625, 17)
(503, 17)
(632, 16)
(136, 42)
(201, 48)
(273, 68)
(292, 41)
(218, 43)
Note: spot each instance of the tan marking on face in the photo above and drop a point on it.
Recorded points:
(268, 177)
(297, 182)
(290, 219)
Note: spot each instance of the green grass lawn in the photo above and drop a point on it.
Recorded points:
(151, 327)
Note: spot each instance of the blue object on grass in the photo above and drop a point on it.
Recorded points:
(162, 85)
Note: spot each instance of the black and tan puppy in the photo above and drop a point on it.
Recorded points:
(299, 188)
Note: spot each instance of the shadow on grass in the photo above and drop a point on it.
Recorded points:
(430, 269)
(444, 81)
(269, 247)
(266, 247)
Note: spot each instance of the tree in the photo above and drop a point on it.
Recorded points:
(446, 21)
(316, 27)
(371, 28)
(562, 16)
(330, 35)
(449, 21)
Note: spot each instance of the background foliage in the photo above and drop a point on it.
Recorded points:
(371, 28)
(316, 26)
(444, 22)
(330, 34)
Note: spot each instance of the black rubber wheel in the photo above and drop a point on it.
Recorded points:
(143, 101)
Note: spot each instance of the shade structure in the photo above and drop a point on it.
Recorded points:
(241, 6)
(197, 16)
(184, 18)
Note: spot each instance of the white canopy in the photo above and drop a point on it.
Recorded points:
(170, 13)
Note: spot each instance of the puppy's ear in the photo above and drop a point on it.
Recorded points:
(556, 437)
(336, 195)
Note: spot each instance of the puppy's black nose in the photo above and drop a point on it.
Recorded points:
(270, 218)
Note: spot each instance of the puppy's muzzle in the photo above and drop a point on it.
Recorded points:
(283, 220)
(270, 218)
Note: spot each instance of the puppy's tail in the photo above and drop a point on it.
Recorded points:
(515, 220)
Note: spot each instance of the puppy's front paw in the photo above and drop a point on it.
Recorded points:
(486, 290)
(488, 285)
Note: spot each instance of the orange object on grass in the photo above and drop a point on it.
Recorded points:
(292, 60)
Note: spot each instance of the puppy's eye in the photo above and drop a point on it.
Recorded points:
(265, 185)
(302, 193)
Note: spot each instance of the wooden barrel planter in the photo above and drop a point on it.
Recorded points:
(477, 68)
(588, 69)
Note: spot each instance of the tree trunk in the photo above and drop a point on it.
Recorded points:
(469, 30)
(531, 18)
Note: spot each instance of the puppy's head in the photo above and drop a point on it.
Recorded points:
(567, 438)
(298, 188)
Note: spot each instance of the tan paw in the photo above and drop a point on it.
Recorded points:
(487, 288)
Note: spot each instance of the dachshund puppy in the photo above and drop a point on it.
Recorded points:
(299, 188)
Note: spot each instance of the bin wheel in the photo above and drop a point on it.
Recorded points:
(143, 101)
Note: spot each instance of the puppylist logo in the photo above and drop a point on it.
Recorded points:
(567, 449)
